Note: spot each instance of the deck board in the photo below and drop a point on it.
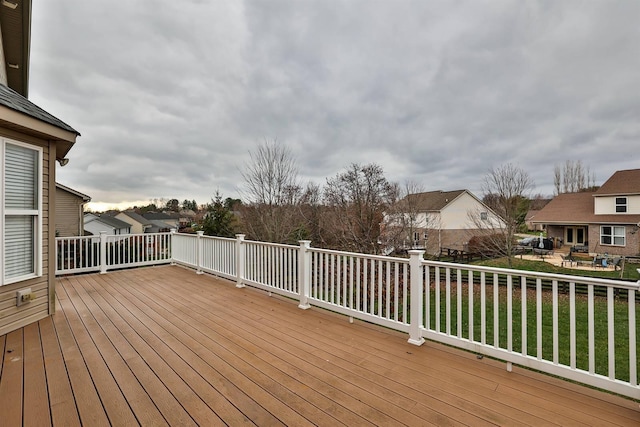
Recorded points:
(165, 346)
(35, 382)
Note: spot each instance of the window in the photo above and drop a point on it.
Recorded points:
(621, 204)
(612, 235)
(416, 236)
(483, 216)
(21, 212)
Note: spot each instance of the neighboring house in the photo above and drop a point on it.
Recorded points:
(536, 205)
(529, 221)
(31, 141)
(139, 224)
(187, 218)
(162, 220)
(442, 219)
(94, 224)
(69, 211)
(606, 220)
(158, 226)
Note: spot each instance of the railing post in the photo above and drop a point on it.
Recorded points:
(199, 252)
(304, 274)
(171, 239)
(240, 258)
(417, 297)
(103, 252)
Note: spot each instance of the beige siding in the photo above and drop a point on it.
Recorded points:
(136, 227)
(11, 316)
(68, 214)
(607, 205)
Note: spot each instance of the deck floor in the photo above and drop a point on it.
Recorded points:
(165, 346)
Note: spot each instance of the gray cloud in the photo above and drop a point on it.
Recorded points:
(170, 97)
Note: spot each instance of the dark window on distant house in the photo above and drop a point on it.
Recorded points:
(416, 236)
(483, 216)
(621, 204)
(612, 235)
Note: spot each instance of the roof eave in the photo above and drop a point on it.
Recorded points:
(30, 125)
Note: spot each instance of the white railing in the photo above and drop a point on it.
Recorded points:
(371, 288)
(271, 267)
(579, 328)
(106, 252)
(77, 254)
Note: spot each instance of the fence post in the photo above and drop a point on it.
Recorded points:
(171, 238)
(103, 252)
(304, 274)
(240, 256)
(199, 235)
(416, 297)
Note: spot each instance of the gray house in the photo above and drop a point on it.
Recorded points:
(94, 224)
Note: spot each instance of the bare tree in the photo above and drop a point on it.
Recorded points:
(272, 191)
(572, 177)
(505, 190)
(356, 200)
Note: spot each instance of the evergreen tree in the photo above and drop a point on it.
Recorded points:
(219, 220)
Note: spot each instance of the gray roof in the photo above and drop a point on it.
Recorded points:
(157, 226)
(158, 216)
(13, 100)
(113, 222)
(136, 217)
(83, 196)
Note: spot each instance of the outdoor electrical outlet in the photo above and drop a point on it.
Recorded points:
(24, 296)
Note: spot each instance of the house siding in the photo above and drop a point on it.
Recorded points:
(136, 227)
(631, 247)
(68, 214)
(11, 316)
(607, 205)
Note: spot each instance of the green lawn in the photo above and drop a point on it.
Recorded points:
(630, 270)
(621, 322)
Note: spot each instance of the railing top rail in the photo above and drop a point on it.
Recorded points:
(228, 239)
(359, 255)
(552, 276)
(62, 239)
(280, 245)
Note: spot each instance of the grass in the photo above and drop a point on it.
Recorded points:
(620, 311)
(629, 272)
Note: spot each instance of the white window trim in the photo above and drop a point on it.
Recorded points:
(625, 205)
(37, 238)
(613, 235)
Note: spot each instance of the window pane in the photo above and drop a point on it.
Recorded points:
(606, 240)
(618, 241)
(21, 177)
(18, 245)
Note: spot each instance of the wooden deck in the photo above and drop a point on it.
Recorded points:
(165, 346)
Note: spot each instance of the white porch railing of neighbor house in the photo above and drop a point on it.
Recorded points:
(579, 328)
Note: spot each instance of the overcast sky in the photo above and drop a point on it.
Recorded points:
(171, 96)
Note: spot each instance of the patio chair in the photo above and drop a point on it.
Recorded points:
(616, 263)
(567, 258)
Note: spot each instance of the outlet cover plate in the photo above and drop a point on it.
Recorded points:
(20, 294)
